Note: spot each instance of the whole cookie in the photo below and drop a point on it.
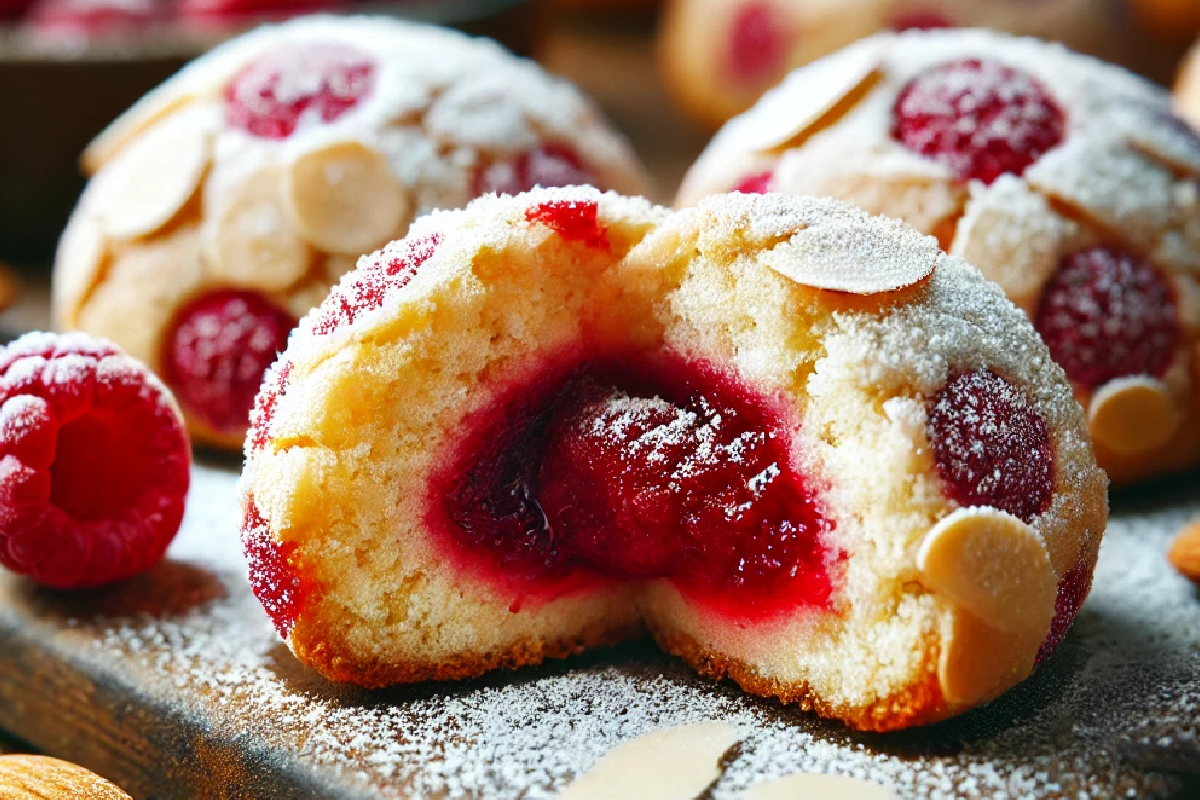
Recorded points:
(798, 443)
(225, 203)
(1068, 181)
(719, 56)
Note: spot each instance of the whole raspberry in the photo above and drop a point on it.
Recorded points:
(217, 353)
(980, 118)
(291, 85)
(757, 43)
(94, 462)
(548, 165)
(991, 445)
(1106, 315)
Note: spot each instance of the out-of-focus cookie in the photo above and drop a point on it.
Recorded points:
(224, 204)
(1068, 181)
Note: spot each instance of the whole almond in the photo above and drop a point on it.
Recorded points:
(24, 777)
(1184, 554)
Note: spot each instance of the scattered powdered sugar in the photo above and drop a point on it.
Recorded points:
(1123, 690)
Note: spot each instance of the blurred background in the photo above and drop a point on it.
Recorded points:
(667, 72)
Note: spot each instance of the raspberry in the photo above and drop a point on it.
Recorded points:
(758, 183)
(1107, 314)
(548, 166)
(275, 581)
(364, 289)
(756, 43)
(980, 118)
(1073, 589)
(572, 220)
(273, 387)
(94, 462)
(991, 446)
(290, 86)
(217, 352)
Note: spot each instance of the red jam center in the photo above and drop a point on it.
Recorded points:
(758, 183)
(991, 446)
(217, 353)
(635, 468)
(548, 166)
(756, 43)
(1107, 315)
(292, 85)
(980, 118)
(573, 220)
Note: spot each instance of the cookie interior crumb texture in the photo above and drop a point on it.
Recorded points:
(1126, 680)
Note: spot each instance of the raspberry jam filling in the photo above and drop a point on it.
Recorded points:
(980, 118)
(217, 352)
(757, 45)
(758, 183)
(548, 166)
(290, 86)
(573, 220)
(991, 446)
(1107, 314)
(635, 468)
(275, 582)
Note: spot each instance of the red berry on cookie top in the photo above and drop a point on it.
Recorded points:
(94, 462)
(287, 87)
(979, 117)
(218, 350)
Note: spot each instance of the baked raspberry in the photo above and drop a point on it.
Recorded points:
(990, 445)
(920, 21)
(1073, 590)
(548, 166)
(94, 462)
(364, 289)
(756, 43)
(631, 469)
(980, 118)
(273, 578)
(573, 220)
(758, 183)
(217, 351)
(88, 20)
(1107, 314)
(292, 86)
(228, 13)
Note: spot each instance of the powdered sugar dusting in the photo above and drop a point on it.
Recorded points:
(1127, 680)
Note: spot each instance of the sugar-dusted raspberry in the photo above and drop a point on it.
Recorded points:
(758, 183)
(757, 43)
(88, 20)
(216, 354)
(979, 117)
(991, 445)
(94, 462)
(573, 220)
(364, 289)
(292, 86)
(1073, 589)
(273, 387)
(1107, 314)
(548, 166)
(274, 579)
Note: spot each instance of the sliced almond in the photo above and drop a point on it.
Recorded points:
(667, 764)
(252, 241)
(344, 198)
(818, 786)
(1133, 415)
(26, 777)
(77, 265)
(992, 564)
(809, 99)
(856, 253)
(147, 183)
(978, 662)
(1184, 554)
